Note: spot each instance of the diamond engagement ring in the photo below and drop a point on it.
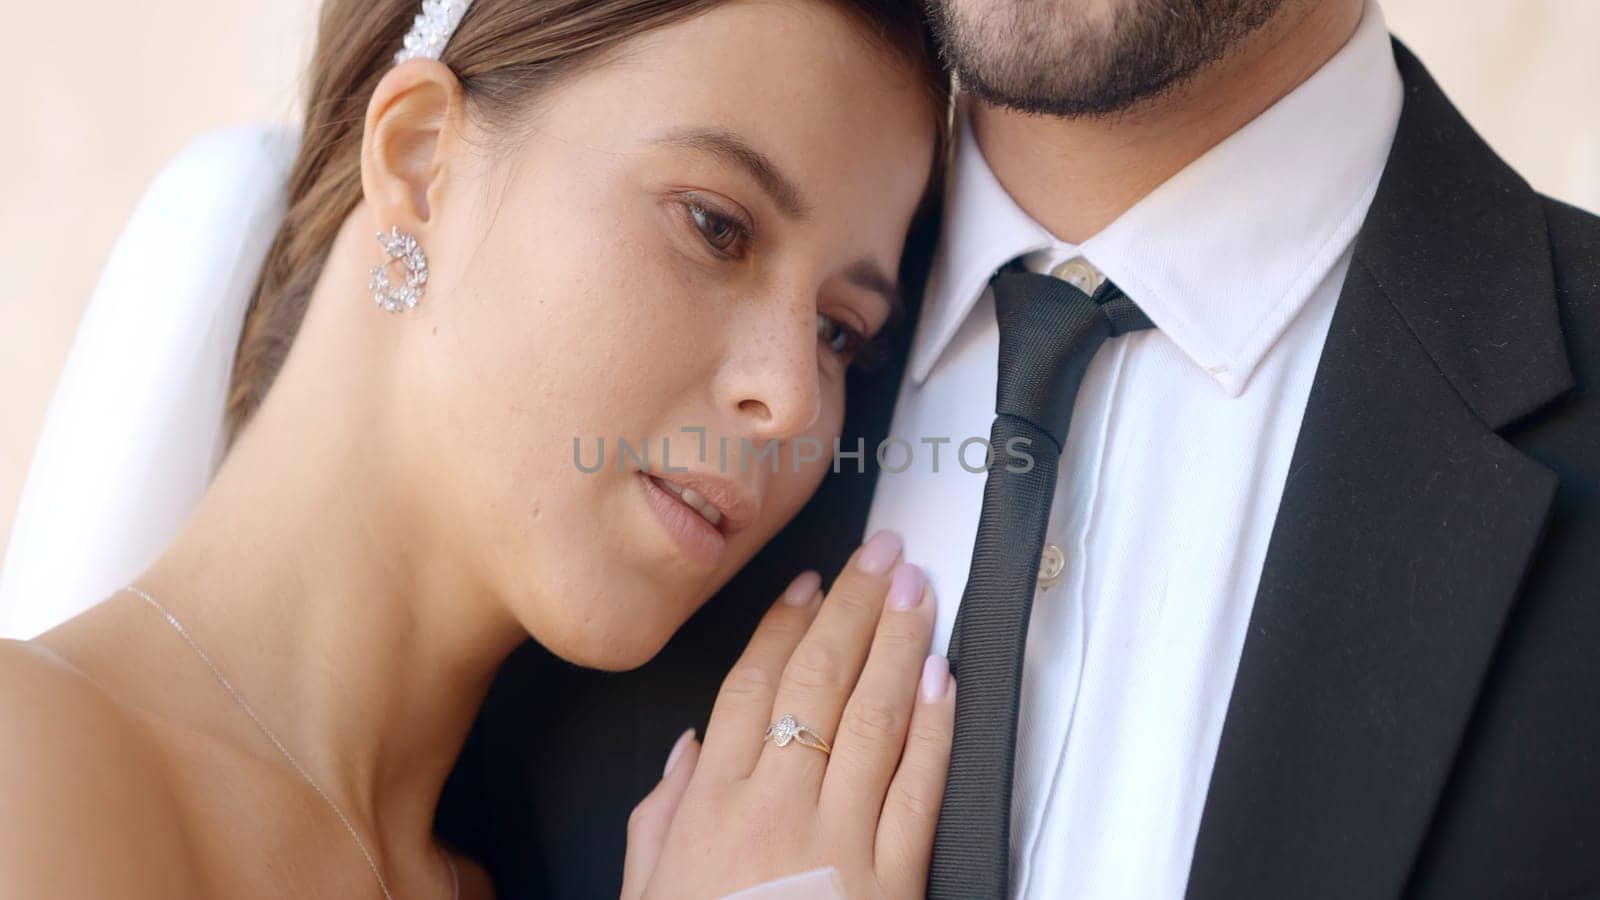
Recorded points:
(787, 729)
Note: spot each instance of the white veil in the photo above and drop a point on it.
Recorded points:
(134, 430)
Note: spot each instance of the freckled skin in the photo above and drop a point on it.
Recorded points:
(592, 309)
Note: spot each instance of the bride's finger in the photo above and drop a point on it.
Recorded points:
(743, 707)
(823, 669)
(872, 732)
(904, 847)
(648, 824)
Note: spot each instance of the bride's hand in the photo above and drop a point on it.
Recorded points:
(741, 810)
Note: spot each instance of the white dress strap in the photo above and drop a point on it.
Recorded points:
(815, 884)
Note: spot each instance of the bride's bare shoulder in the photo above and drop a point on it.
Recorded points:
(85, 807)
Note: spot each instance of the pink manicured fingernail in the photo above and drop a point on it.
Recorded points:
(879, 552)
(802, 589)
(677, 751)
(905, 590)
(935, 678)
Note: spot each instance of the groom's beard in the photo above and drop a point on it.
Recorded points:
(1064, 58)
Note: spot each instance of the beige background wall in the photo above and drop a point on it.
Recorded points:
(102, 93)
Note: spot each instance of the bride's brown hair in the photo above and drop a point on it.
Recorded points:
(505, 53)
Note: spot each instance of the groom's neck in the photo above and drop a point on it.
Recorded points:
(1076, 175)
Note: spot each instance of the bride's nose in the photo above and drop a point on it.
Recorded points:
(770, 380)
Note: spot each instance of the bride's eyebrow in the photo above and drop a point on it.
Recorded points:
(730, 147)
(864, 273)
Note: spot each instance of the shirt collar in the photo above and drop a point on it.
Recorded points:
(1222, 255)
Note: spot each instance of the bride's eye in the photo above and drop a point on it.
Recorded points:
(726, 235)
(851, 345)
(840, 339)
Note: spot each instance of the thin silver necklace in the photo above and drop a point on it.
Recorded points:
(455, 879)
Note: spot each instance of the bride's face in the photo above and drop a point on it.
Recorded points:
(681, 256)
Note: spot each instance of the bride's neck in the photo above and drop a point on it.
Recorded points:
(315, 592)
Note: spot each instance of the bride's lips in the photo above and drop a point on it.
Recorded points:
(699, 510)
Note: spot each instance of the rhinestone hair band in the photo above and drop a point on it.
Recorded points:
(432, 28)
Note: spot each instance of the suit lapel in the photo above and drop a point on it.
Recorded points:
(1404, 532)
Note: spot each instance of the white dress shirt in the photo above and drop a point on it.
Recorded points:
(1172, 470)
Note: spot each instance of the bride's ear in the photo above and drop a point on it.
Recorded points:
(413, 122)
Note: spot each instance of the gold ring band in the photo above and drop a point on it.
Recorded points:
(786, 729)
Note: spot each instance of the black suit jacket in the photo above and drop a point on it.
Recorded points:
(1417, 707)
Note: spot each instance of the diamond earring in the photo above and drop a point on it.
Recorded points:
(404, 248)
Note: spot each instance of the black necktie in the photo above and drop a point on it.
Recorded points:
(1049, 330)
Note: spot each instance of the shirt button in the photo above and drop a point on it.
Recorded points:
(1079, 273)
(1052, 566)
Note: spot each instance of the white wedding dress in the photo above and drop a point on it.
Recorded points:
(135, 431)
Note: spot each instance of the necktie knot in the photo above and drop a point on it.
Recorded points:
(1049, 330)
